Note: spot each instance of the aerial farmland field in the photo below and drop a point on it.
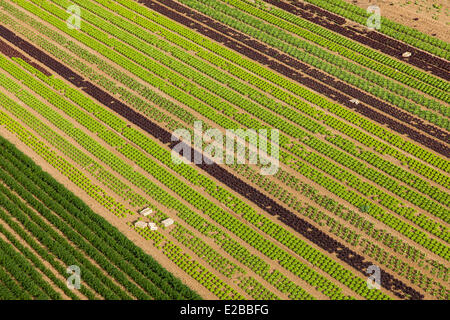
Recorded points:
(224, 150)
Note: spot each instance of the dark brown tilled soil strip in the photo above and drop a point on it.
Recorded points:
(374, 39)
(303, 227)
(190, 18)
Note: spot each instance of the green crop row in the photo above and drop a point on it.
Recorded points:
(241, 254)
(38, 264)
(251, 265)
(37, 247)
(93, 168)
(96, 229)
(9, 288)
(136, 177)
(94, 276)
(22, 270)
(107, 258)
(99, 245)
(255, 289)
(259, 266)
(191, 267)
(65, 168)
(344, 230)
